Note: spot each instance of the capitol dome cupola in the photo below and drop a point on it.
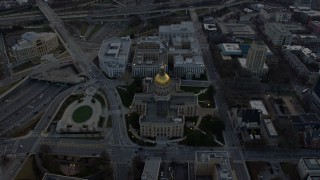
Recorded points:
(162, 84)
(162, 78)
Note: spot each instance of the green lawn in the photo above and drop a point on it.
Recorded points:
(81, 114)
(212, 125)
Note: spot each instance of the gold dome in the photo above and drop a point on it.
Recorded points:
(162, 78)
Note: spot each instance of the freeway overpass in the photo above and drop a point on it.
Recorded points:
(105, 15)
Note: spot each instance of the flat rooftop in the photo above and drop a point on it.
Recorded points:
(220, 159)
(310, 118)
(236, 29)
(184, 26)
(151, 168)
(271, 130)
(258, 104)
(114, 52)
(312, 163)
(279, 27)
(231, 47)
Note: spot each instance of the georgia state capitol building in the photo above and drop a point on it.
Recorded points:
(163, 106)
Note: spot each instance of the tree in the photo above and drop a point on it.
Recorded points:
(133, 119)
(134, 21)
(44, 148)
(4, 160)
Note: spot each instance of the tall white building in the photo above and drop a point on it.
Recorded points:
(33, 45)
(184, 30)
(150, 54)
(278, 34)
(113, 55)
(256, 58)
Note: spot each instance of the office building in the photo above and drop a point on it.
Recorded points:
(151, 168)
(113, 55)
(150, 54)
(279, 15)
(185, 30)
(257, 55)
(308, 166)
(163, 107)
(187, 58)
(213, 163)
(278, 34)
(269, 133)
(32, 46)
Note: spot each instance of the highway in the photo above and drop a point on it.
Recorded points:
(126, 11)
(122, 150)
(20, 107)
(4, 60)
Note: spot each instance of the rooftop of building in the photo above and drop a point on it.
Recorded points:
(28, 38)
(33, 36)
(310, 117)
(306, 51)
(279, 27)
(270, 128)
(151, 168)
(251, 115)
(195, 60)
(243, 63)
(159, 112)
(312, 163)
(231, 47)
(236, 29)
(114, 52)
(275, 9)
(49, 176)
(258, 104)
(220, 159)
(184, 26)
(150, 52)
(210, 27)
